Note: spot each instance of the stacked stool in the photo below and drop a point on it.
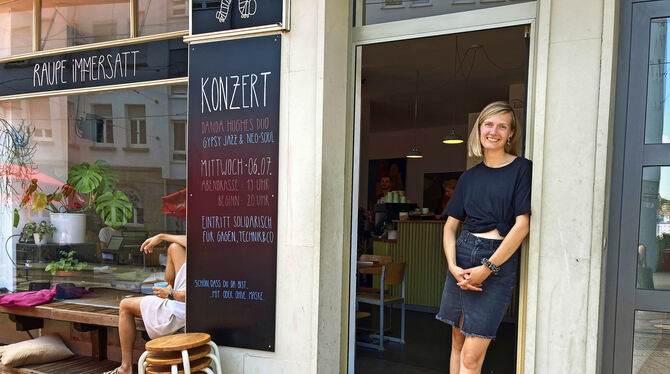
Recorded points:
(180, 353)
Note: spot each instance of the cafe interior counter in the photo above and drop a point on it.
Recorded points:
(419, 245)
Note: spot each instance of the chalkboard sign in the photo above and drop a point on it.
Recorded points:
(223, 15)
(233, 134)
(100, 67)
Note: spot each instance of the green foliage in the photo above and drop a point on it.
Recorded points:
(42, 228)
(90, 187)
(67, 262)
(663, 242)
(114, 208)
(85, 178)
(98, 181)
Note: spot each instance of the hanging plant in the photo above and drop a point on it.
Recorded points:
(16, 161)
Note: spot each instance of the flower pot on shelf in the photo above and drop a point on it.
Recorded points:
(393, 235)
(70, 227)
(39, 241)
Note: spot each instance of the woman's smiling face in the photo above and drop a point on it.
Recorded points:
(495, 130)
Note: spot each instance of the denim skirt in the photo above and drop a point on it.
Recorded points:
(482, 311)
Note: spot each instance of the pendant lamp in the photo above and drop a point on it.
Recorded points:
(452, 138)
(414, 152)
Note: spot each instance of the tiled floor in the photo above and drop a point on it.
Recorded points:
(427, 347)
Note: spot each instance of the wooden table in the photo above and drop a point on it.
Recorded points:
(93, 313)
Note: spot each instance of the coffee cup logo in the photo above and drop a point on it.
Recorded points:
(247, 8)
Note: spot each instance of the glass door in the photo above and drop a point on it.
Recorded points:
(642, 324)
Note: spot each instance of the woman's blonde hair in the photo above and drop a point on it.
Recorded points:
(493, 109)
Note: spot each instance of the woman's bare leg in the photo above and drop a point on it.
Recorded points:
(472, 355)
(457, 340)
(176, 258)
(129, 309)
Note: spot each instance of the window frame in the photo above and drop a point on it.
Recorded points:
(140, 120)
(174, 152)
(36, 28)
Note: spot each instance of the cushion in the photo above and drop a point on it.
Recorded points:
(47, 348)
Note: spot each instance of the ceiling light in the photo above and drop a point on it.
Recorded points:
(414, 153)
(452, 138)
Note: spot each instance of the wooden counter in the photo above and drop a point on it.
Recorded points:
(419, 245)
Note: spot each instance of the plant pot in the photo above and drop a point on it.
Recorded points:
(393, 235)
(61, 273)
(70, 227)
(44, 240)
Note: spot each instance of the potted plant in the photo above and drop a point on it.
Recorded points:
(66, 265)
(390, 231)
(40, 232)
(90, 188)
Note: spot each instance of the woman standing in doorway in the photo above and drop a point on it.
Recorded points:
(493, 201)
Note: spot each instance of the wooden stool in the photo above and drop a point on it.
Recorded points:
(180, 353)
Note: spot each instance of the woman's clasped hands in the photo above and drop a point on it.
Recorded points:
(470, 279)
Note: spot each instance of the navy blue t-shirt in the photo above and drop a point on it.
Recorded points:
(488, 198)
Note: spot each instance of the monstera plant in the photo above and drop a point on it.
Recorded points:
(89, 188)
(97, 184)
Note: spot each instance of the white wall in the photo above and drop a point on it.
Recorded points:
(573, 98)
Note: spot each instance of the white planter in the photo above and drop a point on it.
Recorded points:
(393, 234)
(70, 227)
(36, 236)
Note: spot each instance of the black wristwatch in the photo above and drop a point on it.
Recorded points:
(170, 295)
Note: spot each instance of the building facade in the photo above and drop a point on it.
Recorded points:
(588, 80)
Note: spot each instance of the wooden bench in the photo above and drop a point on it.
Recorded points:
(85, 318)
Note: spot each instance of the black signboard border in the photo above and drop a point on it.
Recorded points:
(284, 25)
(233, 334)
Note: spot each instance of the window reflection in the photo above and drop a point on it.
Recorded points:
(657, 129)
(155, 17)
(16, 19)
(68, 23)
(651, 346)
(140, 135)
(653, 265)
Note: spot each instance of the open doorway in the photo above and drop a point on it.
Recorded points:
(413, 94)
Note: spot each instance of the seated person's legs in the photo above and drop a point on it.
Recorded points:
(176, 258)
(128, 310)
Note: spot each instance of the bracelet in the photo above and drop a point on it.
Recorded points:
(493, 267)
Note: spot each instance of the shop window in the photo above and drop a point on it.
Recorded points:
(179, 140)
(104, 124)
(143, 177)
(16, 19)
(66, 23)
(137, 124)
(162, 16)
(104, 31)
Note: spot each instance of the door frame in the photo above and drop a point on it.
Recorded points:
(454, 23)
(630, 156)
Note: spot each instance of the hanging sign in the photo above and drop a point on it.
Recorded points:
(233, 134)
(225, 15)
(99, 67)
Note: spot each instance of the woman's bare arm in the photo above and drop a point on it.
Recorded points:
(509, 245)
(149, 244)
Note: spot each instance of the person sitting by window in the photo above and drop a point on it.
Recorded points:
(163, 312)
